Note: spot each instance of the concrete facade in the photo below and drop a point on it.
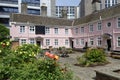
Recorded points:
(86, 8)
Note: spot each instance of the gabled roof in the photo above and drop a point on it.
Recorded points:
(39, 20)
(105, 13)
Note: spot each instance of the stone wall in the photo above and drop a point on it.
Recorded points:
(107, 75)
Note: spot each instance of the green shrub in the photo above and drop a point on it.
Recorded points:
(92, 57)
(22, 64)
(27, 52)
(69, 50)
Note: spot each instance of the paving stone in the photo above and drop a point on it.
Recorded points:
(88, 73)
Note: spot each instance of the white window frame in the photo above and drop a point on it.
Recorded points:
(56, 30)
(109, 3)
(47, 42)
(66, 31)
(56, 42)
(91, 41)
(99, 41)
(32, 41)
(32, 29)
(22, 29)
(99, 26)
(118, 41)
(91, 28)
(82, 29)
(118, 22)
(66, 42)
(77, 42)
(82, 42)
(47, 30)
(23, 41)
(76, 30)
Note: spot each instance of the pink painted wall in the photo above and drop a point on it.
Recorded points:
(113, 30)
(61, 36)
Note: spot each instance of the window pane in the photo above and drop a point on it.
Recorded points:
(66, 31)
(118, 22)
(66, 42)
(32, 41)
(56, 41)
(47, 42)
(56, 30)
(22, 29)
(82, 30)
(99, 26)
(32, 29)
(47, 30)
(23, 41)
(91, 28)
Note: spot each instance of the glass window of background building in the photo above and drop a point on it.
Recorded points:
(58, 11)
(32, 2)
(4, 9)
(109, 3)
(33, 11)
(9, 1)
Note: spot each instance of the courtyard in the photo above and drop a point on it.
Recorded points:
(87, 73)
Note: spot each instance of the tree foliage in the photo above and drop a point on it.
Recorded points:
(4, 32)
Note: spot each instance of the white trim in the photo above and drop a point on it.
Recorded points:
(117, 41)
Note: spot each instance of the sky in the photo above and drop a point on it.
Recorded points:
(67, 2)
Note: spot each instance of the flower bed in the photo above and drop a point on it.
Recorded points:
(93, 57)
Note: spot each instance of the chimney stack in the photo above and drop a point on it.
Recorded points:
(96, 5)
(43, 10)
(64, 13)
(23, 8)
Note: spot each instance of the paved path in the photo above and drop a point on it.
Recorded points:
(88, 73)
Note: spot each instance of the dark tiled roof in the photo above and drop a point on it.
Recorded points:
(105, 13)
(39, 20)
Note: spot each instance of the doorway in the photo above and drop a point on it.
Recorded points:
(72, 44)
(39, 43)
(108, 44)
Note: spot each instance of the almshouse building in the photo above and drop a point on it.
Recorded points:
(99, 29)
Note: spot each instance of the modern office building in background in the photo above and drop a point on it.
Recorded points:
(86, 8)
(34, 8)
